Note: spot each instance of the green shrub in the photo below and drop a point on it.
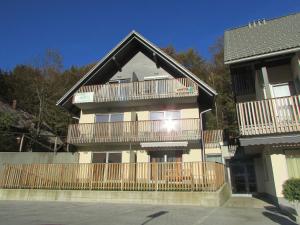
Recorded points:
(291, 189)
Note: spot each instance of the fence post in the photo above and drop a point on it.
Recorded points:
(21, 143)
(55, 144)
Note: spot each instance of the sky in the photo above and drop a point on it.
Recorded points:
(84, 31)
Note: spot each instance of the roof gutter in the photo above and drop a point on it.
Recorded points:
(262, 56)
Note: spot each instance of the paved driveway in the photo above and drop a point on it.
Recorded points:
(63, 213)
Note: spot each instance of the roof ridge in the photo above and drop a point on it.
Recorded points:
(271, 19)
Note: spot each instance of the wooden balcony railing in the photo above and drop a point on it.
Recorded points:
(152, 89)
(177, 176)
(269, 116)
(135, 131)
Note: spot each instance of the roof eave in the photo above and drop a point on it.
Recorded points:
(286, 51)
(119, 46)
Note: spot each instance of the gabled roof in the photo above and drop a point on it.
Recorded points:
(262, 38)
(127, 45)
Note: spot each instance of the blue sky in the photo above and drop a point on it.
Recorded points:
(83, 31)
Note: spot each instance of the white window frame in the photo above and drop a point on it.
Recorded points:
(109, 116)
(107, 154)
(165, 112)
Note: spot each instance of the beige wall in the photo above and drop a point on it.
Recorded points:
(192, 155)
(189, 113)
(280, 172)
(128, 156)
(89, 117)
(275, 171)
(85, 157)
(86, 117)
(142, 156)
(143, 115)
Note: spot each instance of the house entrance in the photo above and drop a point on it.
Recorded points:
(166, 156)
(162, 171)
(243, 177)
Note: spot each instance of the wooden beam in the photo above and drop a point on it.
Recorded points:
(266, 82)
(117, 64)
(155, 59)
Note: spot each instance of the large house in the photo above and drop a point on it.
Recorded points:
(136, 105)
(264, 60)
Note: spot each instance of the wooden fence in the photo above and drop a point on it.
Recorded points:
(269, 116)
(151, 89)
(177, 176)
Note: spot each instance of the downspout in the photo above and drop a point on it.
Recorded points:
(202, 134)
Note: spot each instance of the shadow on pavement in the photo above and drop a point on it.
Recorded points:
(274, 214)
(154, 215)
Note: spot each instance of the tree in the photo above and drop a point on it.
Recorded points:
(217, 75)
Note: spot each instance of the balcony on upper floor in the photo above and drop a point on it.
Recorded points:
(269, 116)
(181, 90)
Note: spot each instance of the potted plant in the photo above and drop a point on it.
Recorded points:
(291, 191)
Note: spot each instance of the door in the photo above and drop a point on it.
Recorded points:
(109, 167)
(283, 108)
(168, 120)
(108, 128)
(120, 90)
(243, 177)
(168, 164)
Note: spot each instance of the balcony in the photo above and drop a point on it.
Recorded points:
(269, 116)
(136, 92)
(134, 131)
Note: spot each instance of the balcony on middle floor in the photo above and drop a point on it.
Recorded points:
(181, 90)
(134, 131)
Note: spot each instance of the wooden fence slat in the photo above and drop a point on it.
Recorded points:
(187, 176)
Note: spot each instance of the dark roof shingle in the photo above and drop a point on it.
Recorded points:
(272, 36)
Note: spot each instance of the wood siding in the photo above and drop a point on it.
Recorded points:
(269, 116)
(190, 176)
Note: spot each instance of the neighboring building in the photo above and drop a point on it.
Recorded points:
(21, 127)
(264, 60)
(138, 104)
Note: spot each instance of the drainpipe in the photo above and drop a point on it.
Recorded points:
(202, 134)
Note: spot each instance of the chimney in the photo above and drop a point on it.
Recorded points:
(14, 104)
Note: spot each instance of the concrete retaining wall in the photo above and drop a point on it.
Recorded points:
(37, 157)
(210, 199)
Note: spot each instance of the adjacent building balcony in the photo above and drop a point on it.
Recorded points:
(134, 93)
(134, 131)
(269, 116)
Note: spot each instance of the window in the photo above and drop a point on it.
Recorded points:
(284, 109)
(164, 115)
(166, 156)
(113, 117)
(293, 165)
(170, 120)
(157, 84)
(107, 157)
(214, 158)
(121, 91)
